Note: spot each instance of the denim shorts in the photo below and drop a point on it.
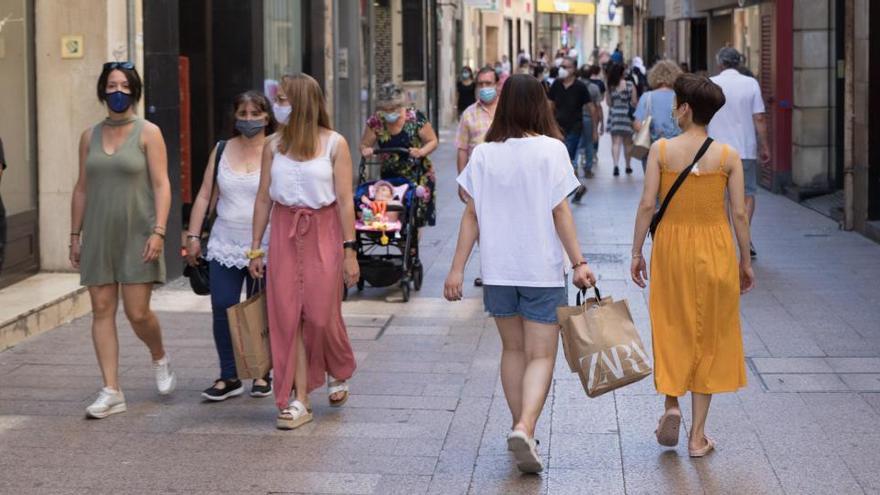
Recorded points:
(536, 304)
(750, 176)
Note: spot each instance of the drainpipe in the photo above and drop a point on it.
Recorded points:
(848, 113)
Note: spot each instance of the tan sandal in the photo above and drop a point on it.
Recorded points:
(702, 451)
(335, 387)
(667, 429)
(294, 416)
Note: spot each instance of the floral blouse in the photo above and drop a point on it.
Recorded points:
(393, 166)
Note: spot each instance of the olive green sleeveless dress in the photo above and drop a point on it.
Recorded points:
(120, 214)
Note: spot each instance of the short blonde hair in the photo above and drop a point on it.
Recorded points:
(663, 73)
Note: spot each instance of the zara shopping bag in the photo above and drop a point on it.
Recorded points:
(249, 330)
(602, 345)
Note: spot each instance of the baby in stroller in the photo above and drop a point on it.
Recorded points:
(383, 201)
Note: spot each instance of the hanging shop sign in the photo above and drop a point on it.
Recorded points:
(572, 7)
(609, 13)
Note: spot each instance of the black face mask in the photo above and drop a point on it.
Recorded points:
(249, 128)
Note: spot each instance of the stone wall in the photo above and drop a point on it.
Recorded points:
(812, 110)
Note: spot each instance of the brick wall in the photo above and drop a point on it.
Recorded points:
(383, 46)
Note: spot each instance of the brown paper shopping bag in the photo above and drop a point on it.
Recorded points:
(603, 346)
(249, 329)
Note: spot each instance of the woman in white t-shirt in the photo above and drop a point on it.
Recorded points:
(517, 182)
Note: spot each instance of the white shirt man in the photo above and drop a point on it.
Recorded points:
(741, 122)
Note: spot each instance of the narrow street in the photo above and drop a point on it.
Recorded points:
(428, 415)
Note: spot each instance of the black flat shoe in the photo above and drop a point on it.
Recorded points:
(478, 282)
(628, 170)
(581, 190)
(616, 171)
(262, 390)
(233, 388)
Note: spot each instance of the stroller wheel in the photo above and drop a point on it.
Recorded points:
(405, 287)
(418, 275)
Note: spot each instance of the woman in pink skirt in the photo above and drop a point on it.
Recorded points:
(306, 183)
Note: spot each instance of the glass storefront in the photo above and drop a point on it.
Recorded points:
(18, 187)
(283, 41)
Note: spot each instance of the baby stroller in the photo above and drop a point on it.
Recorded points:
(388, 251)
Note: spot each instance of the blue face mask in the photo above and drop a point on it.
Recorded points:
(391, 117)
(488, 94)
(118, 101)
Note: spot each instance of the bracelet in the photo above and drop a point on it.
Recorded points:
(74, 234)
(576, 265)
(253, 254)
(160, 234)
(637, 256)
(159, 227)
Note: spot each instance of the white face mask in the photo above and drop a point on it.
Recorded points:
(282, 113)
(563, 73)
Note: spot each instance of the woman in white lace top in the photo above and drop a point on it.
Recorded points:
(238, 178)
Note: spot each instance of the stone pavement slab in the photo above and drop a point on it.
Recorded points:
(427, 413)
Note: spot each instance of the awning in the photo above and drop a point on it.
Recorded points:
(573, 7)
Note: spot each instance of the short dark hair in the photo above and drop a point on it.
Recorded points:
(595, 70)
(258, 99)
(703, 96)
(522, 109)
(134, 82)
(615, 74)
(485, 70)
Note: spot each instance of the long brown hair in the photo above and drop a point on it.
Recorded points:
(307, 116)
(523, 109)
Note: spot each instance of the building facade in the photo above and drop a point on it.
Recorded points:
(192, 61)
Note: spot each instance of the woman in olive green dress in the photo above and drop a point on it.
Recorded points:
(119, 211)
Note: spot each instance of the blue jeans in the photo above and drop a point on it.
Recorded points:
(572, 139)
(226, 292)
(586, 146)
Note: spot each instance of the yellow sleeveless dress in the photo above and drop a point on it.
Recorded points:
(694, 294)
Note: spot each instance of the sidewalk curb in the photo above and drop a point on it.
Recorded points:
(44, 318)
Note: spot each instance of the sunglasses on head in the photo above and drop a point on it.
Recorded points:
(118, 65)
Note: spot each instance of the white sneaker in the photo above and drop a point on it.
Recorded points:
(166, 380)
(109, 402)
(525, 450)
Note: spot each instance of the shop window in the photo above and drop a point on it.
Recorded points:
(412, 15)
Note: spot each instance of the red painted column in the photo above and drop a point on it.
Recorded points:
(784, 92)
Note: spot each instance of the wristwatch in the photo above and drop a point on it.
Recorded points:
(350, 245)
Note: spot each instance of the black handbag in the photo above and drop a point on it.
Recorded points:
(199, 278)
(655, 220)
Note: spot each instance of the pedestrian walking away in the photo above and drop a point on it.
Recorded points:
(232, 177)
(474, 124)
(305, 181)
(696, 283)
(119, 211)
(397, 125)
(596, 79)
(569, 96)
(741, 122)
(658, 103)
(522, 171)
(592, 119)
(620, 98)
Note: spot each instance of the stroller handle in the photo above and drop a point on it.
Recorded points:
(397, 151)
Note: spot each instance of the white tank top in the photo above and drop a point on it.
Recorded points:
(304, 183)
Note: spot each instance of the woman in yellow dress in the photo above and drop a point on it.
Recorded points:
(695, 280)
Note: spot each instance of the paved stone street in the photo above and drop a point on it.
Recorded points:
(428, 415)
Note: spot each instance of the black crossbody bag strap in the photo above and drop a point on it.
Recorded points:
(212, 205)
(655, 221)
